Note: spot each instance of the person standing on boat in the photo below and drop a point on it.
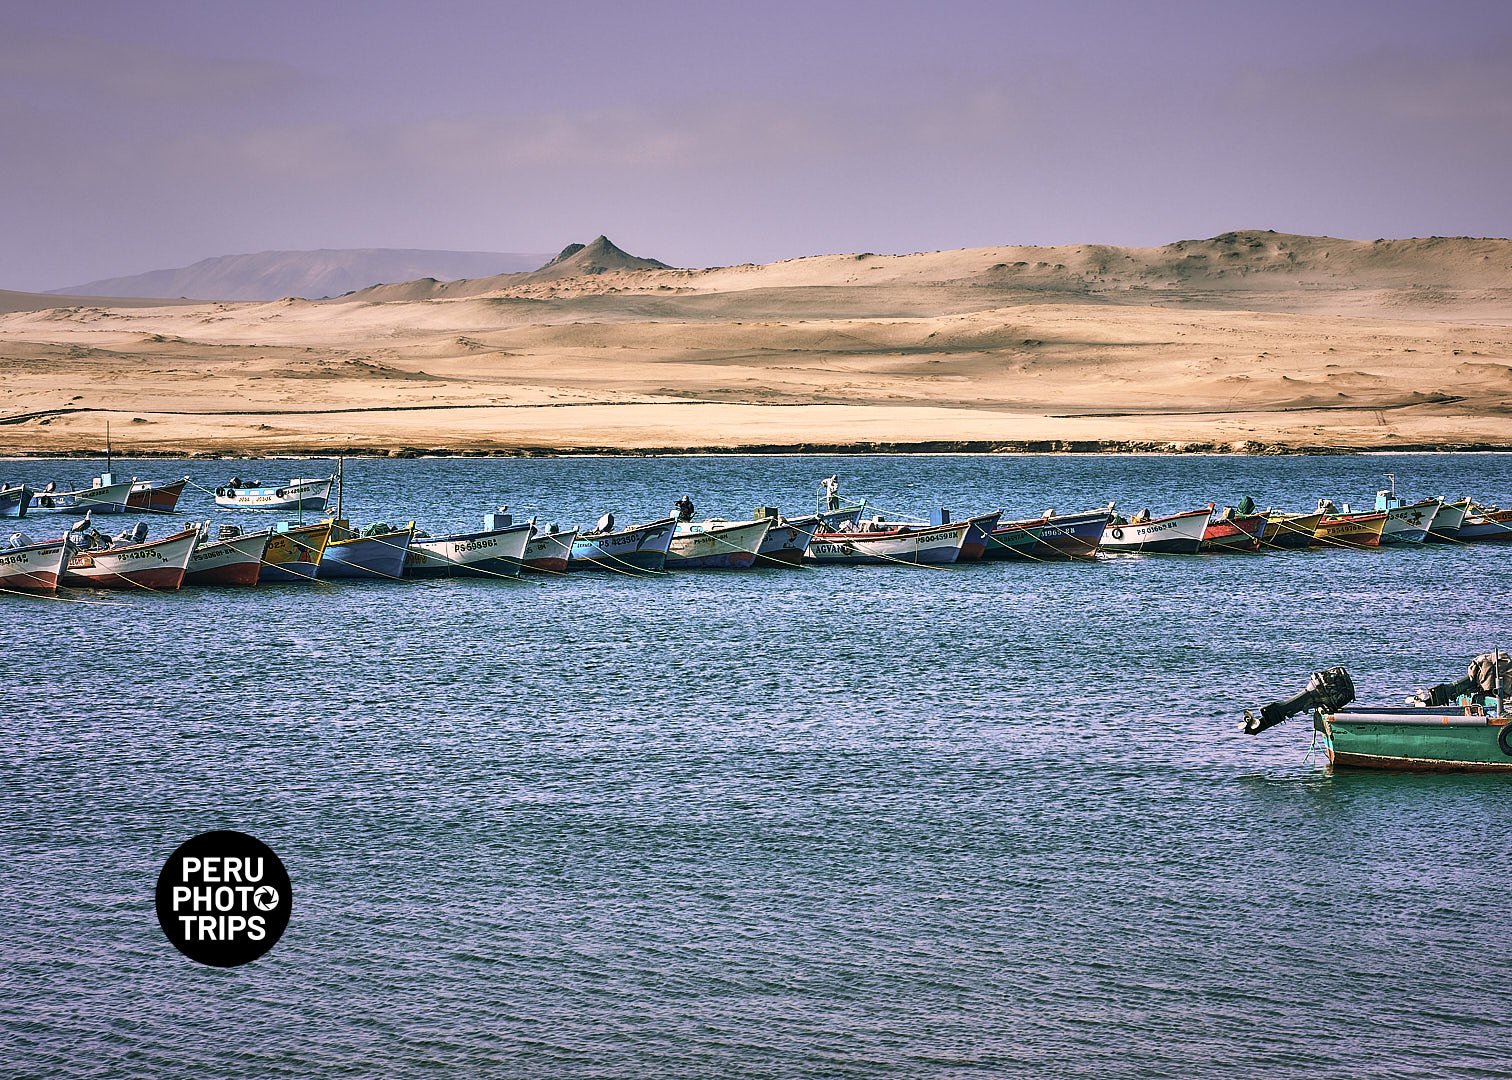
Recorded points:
(684, 508)
(831, 486)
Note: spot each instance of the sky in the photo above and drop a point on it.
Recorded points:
(148, 135)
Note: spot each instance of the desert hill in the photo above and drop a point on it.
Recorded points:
(269, 275)
(599, 257)
(1248, 338)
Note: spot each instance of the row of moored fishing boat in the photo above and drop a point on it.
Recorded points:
(836, 533)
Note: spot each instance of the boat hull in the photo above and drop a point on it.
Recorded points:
(366, 557)
(155, 498)
(297, 494)
(786, 541)
(716, 545)
(1443, 739)
(491, 553)
(33, 568)
(237, 561)
(108, 499)
(641, 548)
(1072, 536)
(1489, 527)
(14, 501)
(1233, 533)
(1409, 524)
(294, 554)
(1353, 530)
(549, 553)
(935, 545)
(1290, 531)
(1179, 534)
(157, 565)
(1448, 522)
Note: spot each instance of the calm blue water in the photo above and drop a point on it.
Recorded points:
(979, 821)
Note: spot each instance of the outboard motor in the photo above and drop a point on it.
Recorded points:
(134, 535)
(1329, 690)
(1489, 675)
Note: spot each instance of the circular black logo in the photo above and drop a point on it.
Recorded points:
(223, 898)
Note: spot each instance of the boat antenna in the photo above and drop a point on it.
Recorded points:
(107, 446)
(1391, 482)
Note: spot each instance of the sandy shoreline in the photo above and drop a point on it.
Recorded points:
(1250, 343)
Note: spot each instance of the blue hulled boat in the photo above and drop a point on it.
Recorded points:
(378, 551)
(14, 501)
(641, 547)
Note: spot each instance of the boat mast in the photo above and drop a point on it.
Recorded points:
(107, 447)
(340, 486)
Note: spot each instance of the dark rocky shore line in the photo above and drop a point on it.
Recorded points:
(1031, 446)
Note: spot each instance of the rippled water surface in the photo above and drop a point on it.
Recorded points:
(924, 822)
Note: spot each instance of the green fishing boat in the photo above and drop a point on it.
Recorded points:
(1462, 725)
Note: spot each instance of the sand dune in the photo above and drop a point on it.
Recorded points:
(1256, 339)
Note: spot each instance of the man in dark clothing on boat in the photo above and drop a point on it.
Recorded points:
(684, 508)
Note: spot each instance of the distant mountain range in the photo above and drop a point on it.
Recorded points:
(272, 275)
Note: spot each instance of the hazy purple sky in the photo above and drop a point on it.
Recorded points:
(145, 135)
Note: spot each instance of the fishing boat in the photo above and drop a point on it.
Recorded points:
(233, 557)
(1446, 524)
(298, 494)
(1486, 523)
(154, 497)
(787, 539)
(103, 496)
(1287, 530)
(14, 501)
(1406, 523)
(640, 547)
(377, 552)
(831, 520)
(716, 544)
(1049, 537)
(1341, 528)
(549, 549)
(1176, 534)
(1454, 726)
(293, 552)
(976, 542)
(497, 551)
(1229, 531)
(29, 566)
(131, 561)
(936, 545)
